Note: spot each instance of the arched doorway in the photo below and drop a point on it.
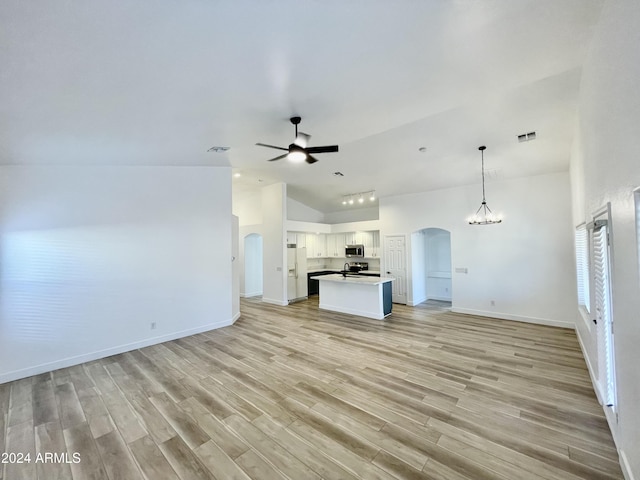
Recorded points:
(251, 284)
(431, 266)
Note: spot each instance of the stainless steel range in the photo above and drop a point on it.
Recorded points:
(358, 266)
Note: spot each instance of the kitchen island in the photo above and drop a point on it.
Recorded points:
(358, 295)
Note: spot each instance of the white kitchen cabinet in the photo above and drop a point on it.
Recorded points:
(375, 243)
(349, 238)
(335, 245)
(371, 242)
(321, 245)
(316, 245)
(310, 244)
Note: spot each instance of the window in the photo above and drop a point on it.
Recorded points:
(582, 266)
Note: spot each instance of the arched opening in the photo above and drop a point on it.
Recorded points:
(251, 284)
(431, 266)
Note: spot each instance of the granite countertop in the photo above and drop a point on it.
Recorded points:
(338, 278)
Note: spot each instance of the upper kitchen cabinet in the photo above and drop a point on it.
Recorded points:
(370, 240)
(296, 238)
(335, 245)
(375, 243)
(316, 244)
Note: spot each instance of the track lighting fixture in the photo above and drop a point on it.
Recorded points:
(350, 198)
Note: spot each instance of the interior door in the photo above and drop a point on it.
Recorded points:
(395, 261)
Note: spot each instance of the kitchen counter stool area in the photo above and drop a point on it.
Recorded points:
(356, 294)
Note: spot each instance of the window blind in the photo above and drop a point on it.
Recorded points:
(582, 266)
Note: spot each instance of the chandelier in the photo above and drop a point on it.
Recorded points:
(484, 215)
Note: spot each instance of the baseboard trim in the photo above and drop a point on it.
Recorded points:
(107, 352)
(624, 465)
(273, 301)
(235, 317)
(517, 318)
(413, 303)
(441, 299)
(594, 381)
(623, 461)
(249, 295)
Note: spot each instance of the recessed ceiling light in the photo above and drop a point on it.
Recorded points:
(237, 174)
(218, 149)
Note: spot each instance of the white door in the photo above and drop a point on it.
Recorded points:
(395, 261)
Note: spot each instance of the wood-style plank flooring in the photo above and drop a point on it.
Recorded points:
(294, 392)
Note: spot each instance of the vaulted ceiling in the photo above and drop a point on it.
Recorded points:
(160, 82)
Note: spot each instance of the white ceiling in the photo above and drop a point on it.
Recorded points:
(158, 82)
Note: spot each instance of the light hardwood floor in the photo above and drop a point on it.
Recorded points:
(294, 392)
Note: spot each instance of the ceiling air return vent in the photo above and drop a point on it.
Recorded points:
(527, 137)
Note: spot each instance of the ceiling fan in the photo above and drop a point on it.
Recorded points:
(298, 150)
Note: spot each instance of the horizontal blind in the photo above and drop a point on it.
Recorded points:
(603, 314)
(582, 266)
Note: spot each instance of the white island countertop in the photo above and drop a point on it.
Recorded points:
(338, 278)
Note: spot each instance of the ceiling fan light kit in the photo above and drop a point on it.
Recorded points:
(298, 151)
(484, 215)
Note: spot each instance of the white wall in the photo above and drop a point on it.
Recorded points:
(91, 256)
(438, 261)
(525, 265)
(252, 272)
(605, 167)
(418, 268)
(235, 269)
(274, 213)
(247, 206)
(301, 212)
(352, 215)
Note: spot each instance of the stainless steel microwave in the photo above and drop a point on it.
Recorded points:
(354, 251)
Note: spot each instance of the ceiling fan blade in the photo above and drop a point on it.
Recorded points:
(272, 146)
(325, 149)
(277, 158)
(302, 139)
(311, 159)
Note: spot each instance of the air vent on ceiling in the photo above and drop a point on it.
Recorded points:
(218, 149)
(527, 137)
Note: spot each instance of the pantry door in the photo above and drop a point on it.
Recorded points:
(395, 265)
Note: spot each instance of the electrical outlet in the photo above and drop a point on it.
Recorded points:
(153, 325)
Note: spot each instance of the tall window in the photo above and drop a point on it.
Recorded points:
(582, 266)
